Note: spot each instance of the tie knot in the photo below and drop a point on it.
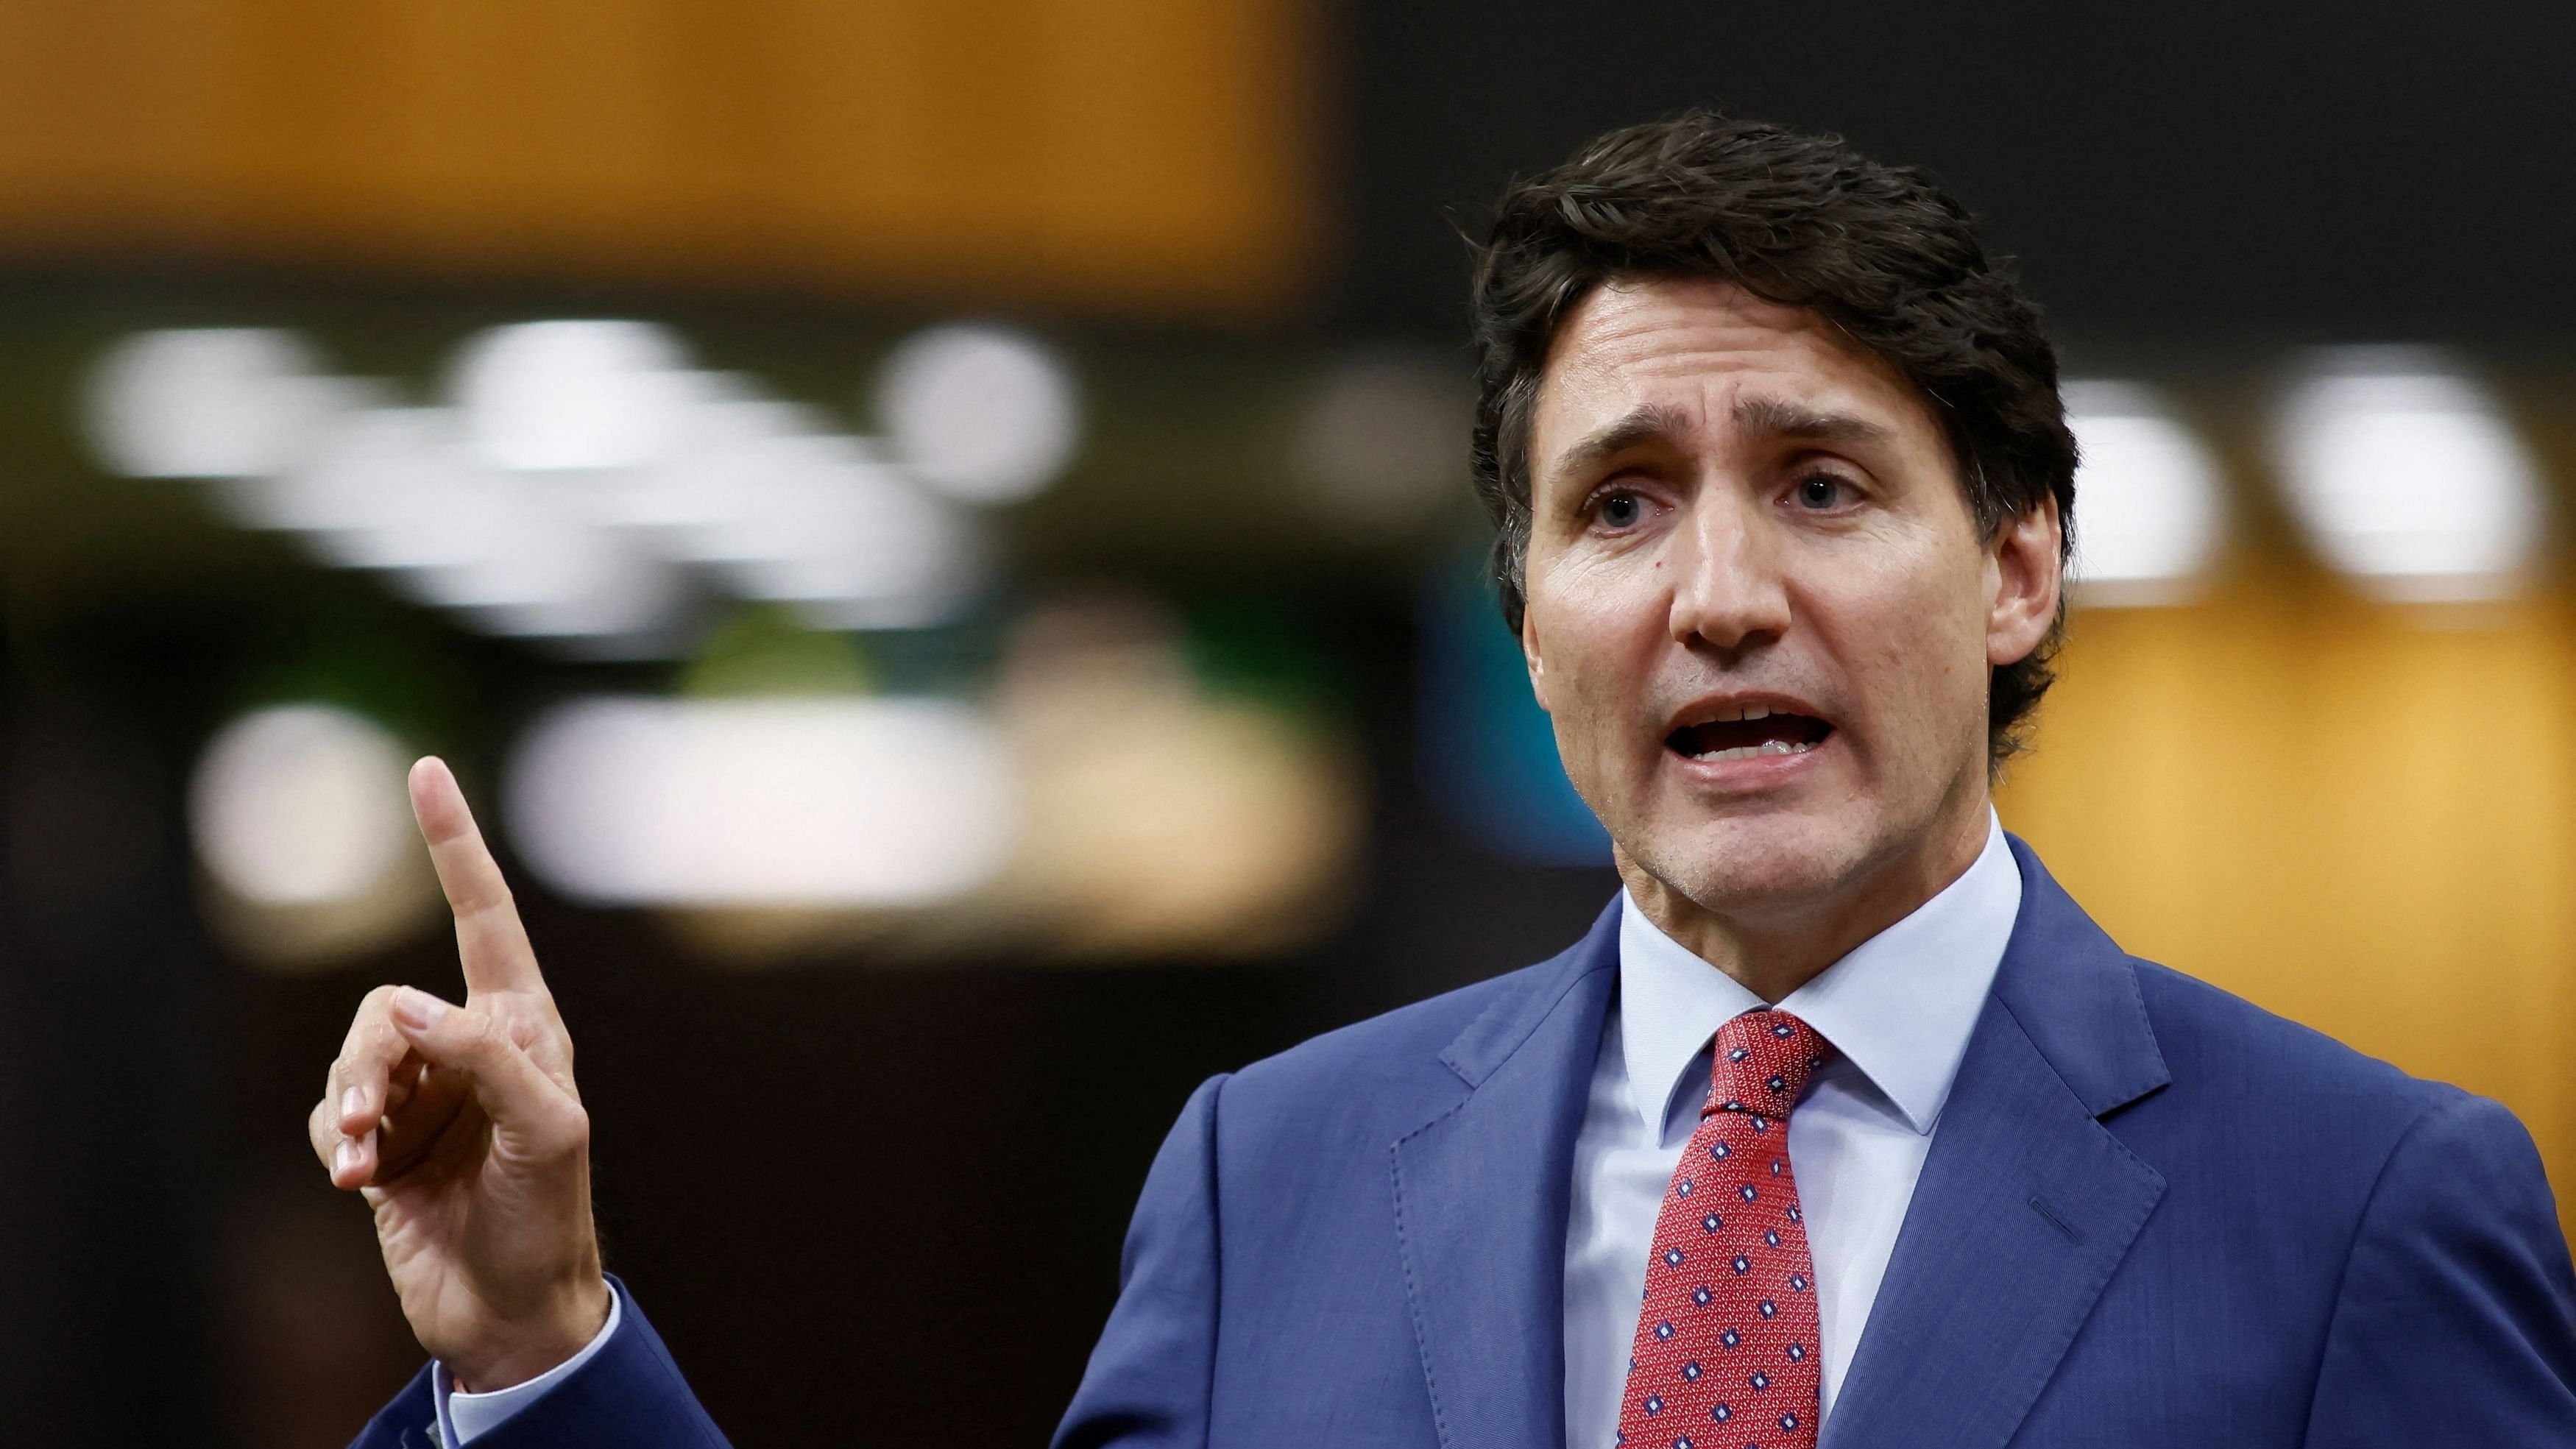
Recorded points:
(1762, 1060)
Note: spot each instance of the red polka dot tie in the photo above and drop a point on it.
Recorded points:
(1726, 1354)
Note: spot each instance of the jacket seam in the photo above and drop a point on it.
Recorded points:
(1216, 1262)
(2352, 1250)
(1412, 1290)
(1478, 1085)
(2146, 1024)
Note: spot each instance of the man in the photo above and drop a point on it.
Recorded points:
(1843, 1124)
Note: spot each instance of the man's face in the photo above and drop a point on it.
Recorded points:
(1739, 510)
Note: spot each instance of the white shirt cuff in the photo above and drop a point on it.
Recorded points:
(463, 1417)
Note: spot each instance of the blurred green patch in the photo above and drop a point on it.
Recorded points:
(764, 651)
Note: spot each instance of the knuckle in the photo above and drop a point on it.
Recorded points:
(574, 1130)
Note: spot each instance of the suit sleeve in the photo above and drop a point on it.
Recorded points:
(629, 1396)
(1149, 1379)
(2456, 1322)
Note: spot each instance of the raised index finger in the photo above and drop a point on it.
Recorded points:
(489, 939)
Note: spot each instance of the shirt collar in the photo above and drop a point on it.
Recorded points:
(1899, 1008)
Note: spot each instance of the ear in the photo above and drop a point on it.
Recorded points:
(1531, 657)
(2024, 581)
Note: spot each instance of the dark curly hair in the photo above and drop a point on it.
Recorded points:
(1881, 252)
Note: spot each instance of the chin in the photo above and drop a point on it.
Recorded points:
(1751, 865)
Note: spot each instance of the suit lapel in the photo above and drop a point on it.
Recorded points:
(2027, 1202)
(1481, 1195)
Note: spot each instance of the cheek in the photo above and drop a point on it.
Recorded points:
(1598, 641)
(1588, 689)
(1919, 638)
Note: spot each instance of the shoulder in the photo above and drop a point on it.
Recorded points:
(2204, 1031)
(2388, 1210)
(2263, 1097)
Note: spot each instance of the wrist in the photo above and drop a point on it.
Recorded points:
(534, 1346)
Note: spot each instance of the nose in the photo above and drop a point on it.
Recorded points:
(1729, 590)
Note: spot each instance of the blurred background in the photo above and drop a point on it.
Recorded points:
(936, 536)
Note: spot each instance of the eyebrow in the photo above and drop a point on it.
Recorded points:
(1763, 416)
(1781, 418)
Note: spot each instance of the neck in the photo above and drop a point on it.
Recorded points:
(1774, 951)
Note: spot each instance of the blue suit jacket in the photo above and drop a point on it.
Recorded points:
(2152, 1215)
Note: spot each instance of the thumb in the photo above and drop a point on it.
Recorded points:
(528, 1109)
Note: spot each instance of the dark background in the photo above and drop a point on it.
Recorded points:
(2225, 173)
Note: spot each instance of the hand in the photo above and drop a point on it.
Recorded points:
(461, 1128)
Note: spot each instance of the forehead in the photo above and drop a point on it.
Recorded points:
(1698, 350)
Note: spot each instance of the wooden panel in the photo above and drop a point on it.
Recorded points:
(2362, 818)
(1125, 153)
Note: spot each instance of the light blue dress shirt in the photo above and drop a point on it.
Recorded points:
(1898, 1010)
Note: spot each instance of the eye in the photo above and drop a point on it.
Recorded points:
(1820, 492)
(1620, 509)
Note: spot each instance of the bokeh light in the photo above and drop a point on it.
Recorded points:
(571, 394)
(2405, 473)
(787, 802)
(583, 486)
(2148, 497)
(1378, 443)
(225, 402)
(987, 414)
(300, 803)
(1165, 819)
(304, 837)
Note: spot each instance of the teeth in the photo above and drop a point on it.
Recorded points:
(1747, 752)
(1739, 712)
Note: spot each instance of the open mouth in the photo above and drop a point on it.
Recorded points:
(1754, 731)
